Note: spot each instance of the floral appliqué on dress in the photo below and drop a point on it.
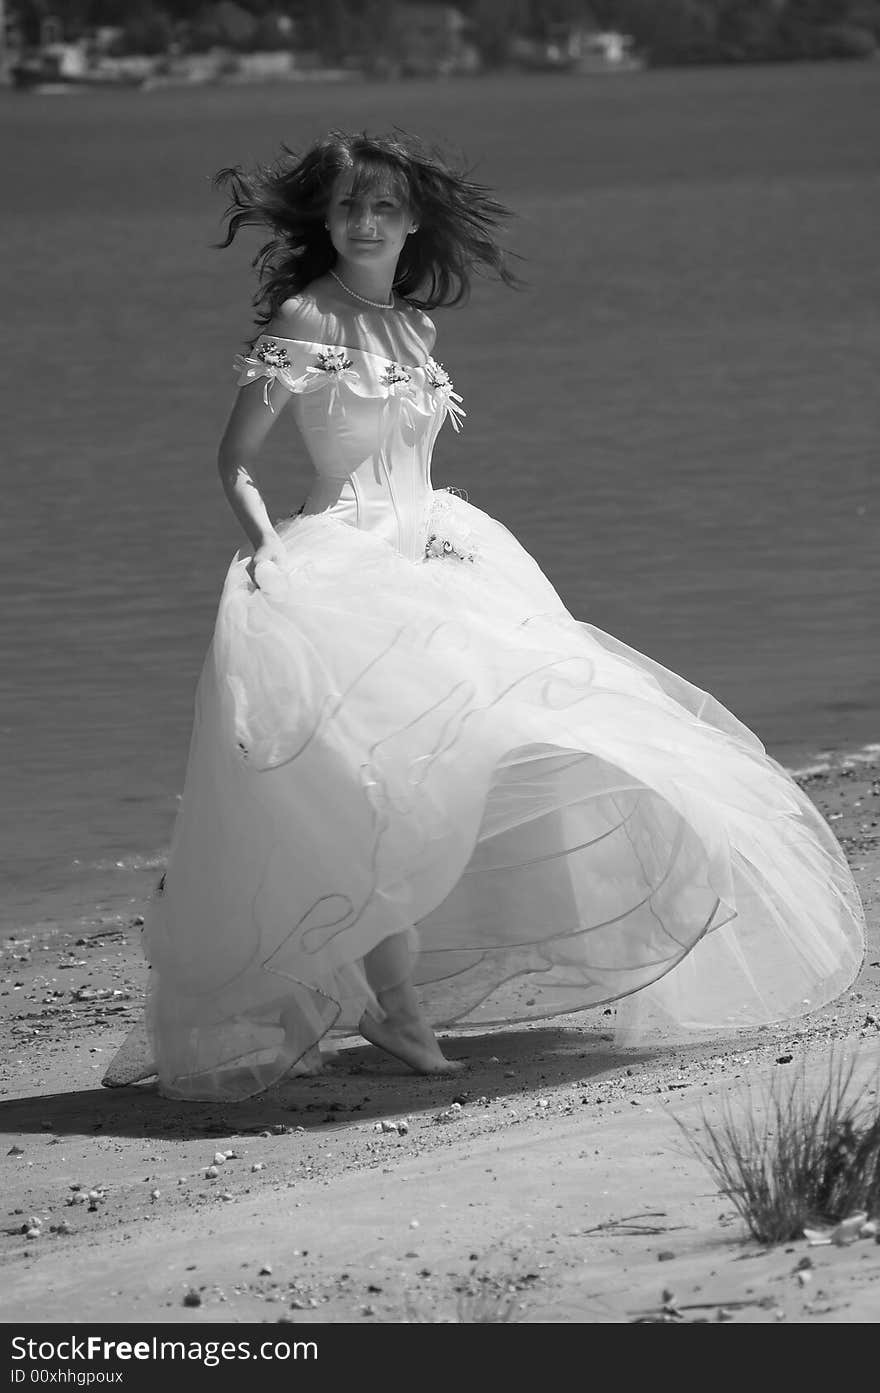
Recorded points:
(441, 546)
(442, 386)
(270, 360)
(272, 354)
(447, 539)
(395, 375)
(334, 360)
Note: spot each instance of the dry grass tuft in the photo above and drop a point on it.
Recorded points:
(489, 1301)
(487, 1308)
(797, 1159)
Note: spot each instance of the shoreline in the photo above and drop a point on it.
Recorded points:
(124, 887)
(115, 890)
(371, 1197)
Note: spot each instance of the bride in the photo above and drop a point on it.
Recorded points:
(419, 792)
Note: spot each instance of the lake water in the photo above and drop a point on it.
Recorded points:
(679, 417)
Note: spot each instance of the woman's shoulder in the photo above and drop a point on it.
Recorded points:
(299, 317)
(423, 325)
(312, 318)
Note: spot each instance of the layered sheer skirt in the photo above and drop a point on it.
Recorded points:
(438, 749)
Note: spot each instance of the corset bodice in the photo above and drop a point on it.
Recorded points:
(369, 425)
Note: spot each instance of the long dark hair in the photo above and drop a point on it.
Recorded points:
(457, 219)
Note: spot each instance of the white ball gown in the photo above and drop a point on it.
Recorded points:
(406, 731)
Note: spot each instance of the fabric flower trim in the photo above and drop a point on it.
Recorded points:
(449, 537)
(272, 355)
(332, 365)
(441, 385)
(437, 374)
(270, 360)
(395, 375)
(399, 389)
(334, 360)
(440, 547)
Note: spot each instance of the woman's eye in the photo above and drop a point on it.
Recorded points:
(382, 205)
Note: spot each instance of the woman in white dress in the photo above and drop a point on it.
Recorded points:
(419, 792)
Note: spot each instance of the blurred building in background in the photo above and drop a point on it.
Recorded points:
(86, 41)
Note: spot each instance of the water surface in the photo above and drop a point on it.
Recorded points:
(679, 416)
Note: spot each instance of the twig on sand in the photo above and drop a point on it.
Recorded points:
(672, 1310)
(629, 1225)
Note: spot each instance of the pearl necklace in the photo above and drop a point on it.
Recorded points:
(374, 304)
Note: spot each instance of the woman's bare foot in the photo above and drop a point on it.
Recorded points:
(404, 1032)
(410, 1039)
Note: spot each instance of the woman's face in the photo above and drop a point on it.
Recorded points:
(368, 226)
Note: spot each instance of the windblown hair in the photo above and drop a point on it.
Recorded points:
(457, 219)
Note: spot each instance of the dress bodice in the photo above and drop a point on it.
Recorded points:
(369, 424)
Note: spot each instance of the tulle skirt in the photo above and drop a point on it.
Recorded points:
(438, 749)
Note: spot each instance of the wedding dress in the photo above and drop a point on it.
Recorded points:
(405, 731)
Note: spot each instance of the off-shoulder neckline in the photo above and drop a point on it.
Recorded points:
(346, 348)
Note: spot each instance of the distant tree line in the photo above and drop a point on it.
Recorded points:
(737, 31)
(665, 32)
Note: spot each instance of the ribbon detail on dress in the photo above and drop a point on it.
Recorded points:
(272, 362)
(442, 386)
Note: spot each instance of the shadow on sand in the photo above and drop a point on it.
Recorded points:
(358, 1083)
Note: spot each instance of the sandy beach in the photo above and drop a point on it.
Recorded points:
(551, 1181)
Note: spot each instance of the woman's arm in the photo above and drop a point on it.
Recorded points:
(251, 419)
(249, 423)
